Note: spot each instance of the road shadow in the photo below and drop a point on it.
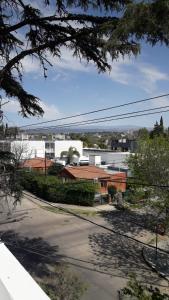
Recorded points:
(120, 256)
(131, 222)
(35, 254)
(15, 216)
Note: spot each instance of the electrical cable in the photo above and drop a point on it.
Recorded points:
(101, 121)
(98, 110)
(96, 224)
(105, 118)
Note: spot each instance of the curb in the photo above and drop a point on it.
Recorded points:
(153, 266)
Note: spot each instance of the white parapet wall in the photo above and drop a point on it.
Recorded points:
(31, 149)
(15, 282)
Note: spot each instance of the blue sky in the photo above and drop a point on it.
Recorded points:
(73, 87)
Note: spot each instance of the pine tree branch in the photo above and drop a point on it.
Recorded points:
(70, 17)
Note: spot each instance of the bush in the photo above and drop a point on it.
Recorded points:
(134, 195)
(53, 189)
(55, 169)
(112, 190)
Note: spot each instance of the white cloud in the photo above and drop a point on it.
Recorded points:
(30, 65)
(150, 77)
(12, 106)
(119, 74)
(50, 110)
(144, 76)
(160, 102)
(68, 62)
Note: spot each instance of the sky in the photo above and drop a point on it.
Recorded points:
(73, 87)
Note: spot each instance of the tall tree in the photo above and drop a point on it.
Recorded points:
(161, 125)
(97, 31)
(150, 166)
(158, 129)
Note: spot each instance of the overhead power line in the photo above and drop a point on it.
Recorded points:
(96, 224)
(96, 111)
(102, 119)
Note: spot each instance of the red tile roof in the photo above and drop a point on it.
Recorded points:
(85, 172)
(37, 163)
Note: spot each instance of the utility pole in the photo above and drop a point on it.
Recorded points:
(45, 165)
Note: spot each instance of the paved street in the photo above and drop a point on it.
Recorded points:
(102, 260)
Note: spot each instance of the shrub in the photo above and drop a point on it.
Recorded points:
(53, 189)
(55, 169)
(112, 190)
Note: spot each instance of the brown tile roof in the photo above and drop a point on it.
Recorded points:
(85, 172)
(37, 163)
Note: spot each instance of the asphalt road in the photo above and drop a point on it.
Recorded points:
(101, 259)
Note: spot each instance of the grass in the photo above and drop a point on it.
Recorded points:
(81, 212)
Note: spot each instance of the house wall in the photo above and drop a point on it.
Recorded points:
(121, 185)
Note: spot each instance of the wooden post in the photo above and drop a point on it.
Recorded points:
(45, 165)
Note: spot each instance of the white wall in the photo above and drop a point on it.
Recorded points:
(15, 282)
(37, 148)
(116, 158)
(95, 160)
(31, 148)
(65, 145)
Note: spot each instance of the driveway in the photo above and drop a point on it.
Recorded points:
(101, 259)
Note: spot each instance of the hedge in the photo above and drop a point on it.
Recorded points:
(53, 189)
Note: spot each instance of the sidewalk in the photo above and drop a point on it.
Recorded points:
(103, 207)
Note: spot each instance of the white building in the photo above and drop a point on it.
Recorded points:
(32, 149)
(15, 282)
(117, 159)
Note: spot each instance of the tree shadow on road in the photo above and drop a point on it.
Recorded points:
(35, 254)
(121, 256)
(131, 222)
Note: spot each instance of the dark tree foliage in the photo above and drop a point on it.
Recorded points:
(55, 169)
(93, 30)
(158, 129)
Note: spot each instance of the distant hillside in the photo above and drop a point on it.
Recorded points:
(82, 129)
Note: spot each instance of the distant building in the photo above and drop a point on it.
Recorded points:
(123, 145)
(33, 149)
(116, 160)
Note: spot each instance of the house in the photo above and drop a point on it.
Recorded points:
(37, 164)
(95, 174)
(123, 145)
(15, 281)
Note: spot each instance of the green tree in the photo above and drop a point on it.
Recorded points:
(69, 154)
(143, 133)
(92, 30)
(55, 169)
(150, 165)
(10, 188)
(136, 291)
(158, 129)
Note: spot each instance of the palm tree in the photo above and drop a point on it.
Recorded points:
(69, 154)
